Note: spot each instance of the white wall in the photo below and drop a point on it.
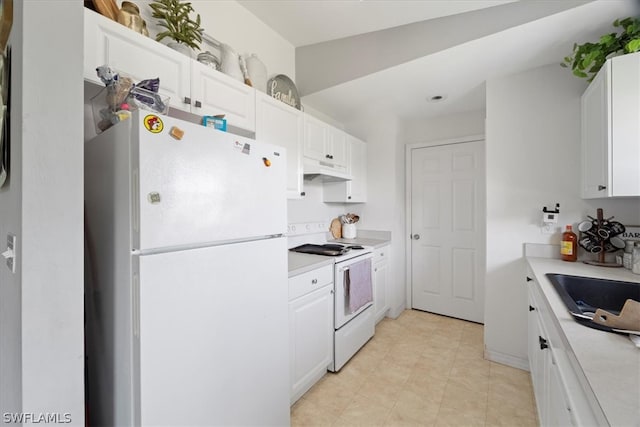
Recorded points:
(311, 208)
(444, 127)
(228, 22)
(42, 352)
(533, 146)
(384, 209)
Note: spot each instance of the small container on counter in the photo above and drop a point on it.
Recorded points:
(635, 262)
(569, 245)
(627, 256)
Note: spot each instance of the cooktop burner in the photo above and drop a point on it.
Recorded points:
(328, 249)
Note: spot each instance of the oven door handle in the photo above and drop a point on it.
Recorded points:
(346, 281)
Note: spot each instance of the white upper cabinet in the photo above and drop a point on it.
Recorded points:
(108, 43)
(324, 142)
(213, 93)
(611, 130)
(336, 148)
(191, 86)
(315, 138)
(280, 124)
(354, 191)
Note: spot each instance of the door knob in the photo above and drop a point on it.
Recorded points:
(416, 237)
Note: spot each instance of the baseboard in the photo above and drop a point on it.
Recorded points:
(393, 313)
(507, 359)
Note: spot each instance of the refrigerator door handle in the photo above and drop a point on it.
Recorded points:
(135, 183)
(135, 298)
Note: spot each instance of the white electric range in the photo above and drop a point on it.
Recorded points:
(354, 322)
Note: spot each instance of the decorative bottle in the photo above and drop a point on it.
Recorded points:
(569, 245)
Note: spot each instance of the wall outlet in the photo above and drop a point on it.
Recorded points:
(548, 228)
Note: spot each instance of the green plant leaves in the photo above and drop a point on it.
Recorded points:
(174, 16)
(588, 58)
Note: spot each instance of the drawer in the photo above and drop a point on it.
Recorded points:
(381, 254)
(310, 281)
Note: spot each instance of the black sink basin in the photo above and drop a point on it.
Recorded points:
(583, 295)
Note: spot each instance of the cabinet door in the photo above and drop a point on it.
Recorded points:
(625, 125)
(315, 138)
(358, 170)
(213, 93)
(108, 43)
(277, 123)
(595, 137)
(337, 147)
(559, 411)
(354, 191)
(310, 339)
(380, 301)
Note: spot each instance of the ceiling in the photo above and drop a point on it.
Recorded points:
(457, 71)
(304, 22)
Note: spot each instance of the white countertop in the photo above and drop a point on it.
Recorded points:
(301, 263)
(610, 362)
(364, 241)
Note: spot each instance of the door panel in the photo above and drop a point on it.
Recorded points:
(447, 220)
(214, 336)
(209, 186)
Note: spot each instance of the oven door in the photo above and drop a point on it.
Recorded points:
(353, 295)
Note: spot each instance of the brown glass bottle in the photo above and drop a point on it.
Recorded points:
(569, 245)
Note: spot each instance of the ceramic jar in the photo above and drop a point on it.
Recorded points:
(257, 72)
(230, 62)
(129, 16)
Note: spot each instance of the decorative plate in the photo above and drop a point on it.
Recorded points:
(282, 88)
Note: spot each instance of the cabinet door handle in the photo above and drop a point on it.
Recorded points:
(331, 291)
(375, 269)
(381, 253)
(543, 343)
(198, 104)
(187, 100)
(302, 193)
(327, 156)
(349, 197)
(529, 279)
(602, 187)
(314, 281)
(531, 308)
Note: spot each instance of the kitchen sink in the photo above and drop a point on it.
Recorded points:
(583, 295)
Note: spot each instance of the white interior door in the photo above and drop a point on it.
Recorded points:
(448, 230)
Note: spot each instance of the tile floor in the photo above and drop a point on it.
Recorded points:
(420, 370)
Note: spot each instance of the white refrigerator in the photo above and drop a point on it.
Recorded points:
(186, 295)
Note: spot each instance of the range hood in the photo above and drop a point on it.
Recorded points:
(324, 171)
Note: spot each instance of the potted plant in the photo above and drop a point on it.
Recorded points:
(173, 15)
(588, 58)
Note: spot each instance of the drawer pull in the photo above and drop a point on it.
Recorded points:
(314, 281)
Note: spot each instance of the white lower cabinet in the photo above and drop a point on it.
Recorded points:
(380, 282)
(310, 328)
(560, 396)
